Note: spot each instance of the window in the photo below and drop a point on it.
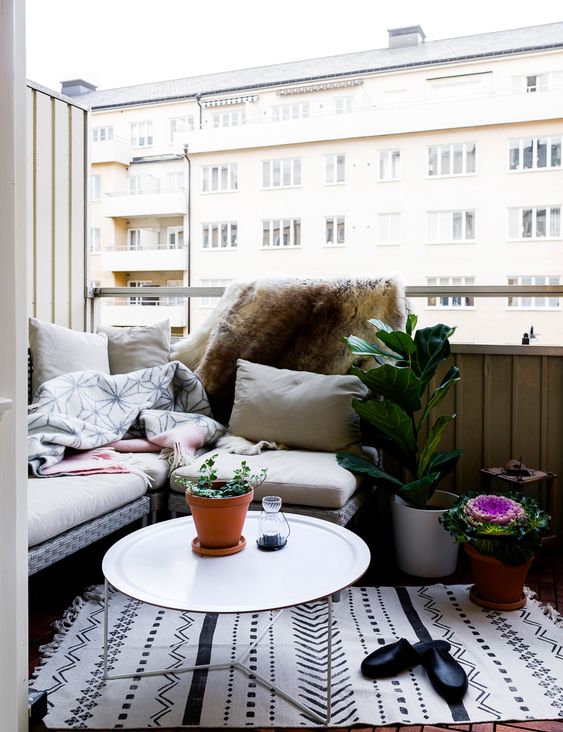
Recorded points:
(389, 228)
(335, 168)
(176, 181)
(142, 300)
(532, 83)
(219, 235)
(96, 187)
(281, 173)
(134, 185)
(175, 237)
(335, 231)
(534, 153)
(297, 110)
(133, 241)
(534, 302)
(450, 227)
(141, 134)
(180, 124)
(343, 104)
(232, 118)
(210, 302)
(95, 240)
(449, 160)
(219, 178)
(389, 167)
(534, 222)
(279, 233)
(101, 134)
(450, 301)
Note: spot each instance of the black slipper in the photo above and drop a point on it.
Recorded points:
(446, 675)
(395, 657)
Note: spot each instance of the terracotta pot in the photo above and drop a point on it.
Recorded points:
(497, 585)
(219, 521)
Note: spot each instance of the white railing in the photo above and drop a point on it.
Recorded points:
(143, 248)
(147, 191)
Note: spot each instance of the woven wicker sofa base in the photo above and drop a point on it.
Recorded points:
(341, 516)
(61, 546)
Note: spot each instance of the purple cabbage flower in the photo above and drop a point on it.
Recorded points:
(498, 510)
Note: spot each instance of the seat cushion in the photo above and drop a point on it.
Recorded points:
(58, 504)
(154, 466)
(297, 476)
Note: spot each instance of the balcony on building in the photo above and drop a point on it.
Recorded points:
(148, 256)
(145, 201)
(146, 310)
(110, 150)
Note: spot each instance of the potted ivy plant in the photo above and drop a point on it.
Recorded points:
(219, 507)
(500, 534)
(398, 412)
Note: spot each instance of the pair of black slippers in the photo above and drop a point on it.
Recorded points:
(446, 675)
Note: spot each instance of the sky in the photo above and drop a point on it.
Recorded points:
(113, 43)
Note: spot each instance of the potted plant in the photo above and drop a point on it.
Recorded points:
(500, 534)
(219, 507)
(399, 416)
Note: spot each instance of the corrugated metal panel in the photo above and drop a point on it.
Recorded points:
(57, 189)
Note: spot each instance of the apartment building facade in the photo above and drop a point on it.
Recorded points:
(439, 161)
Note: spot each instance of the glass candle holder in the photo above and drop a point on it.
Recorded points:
(273, 526)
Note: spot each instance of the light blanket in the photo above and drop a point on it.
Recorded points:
(85, 410)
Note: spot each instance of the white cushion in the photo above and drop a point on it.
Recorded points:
(56, 350)
(58, 504)
(131, 349)
(154, 466)
(297, 476)
(296, 408)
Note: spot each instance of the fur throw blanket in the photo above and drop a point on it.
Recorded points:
(291, 323)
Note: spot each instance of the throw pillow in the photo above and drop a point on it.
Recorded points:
(296, 408)
(131, 349)
(56, 350)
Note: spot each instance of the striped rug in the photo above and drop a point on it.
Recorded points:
(514, 663)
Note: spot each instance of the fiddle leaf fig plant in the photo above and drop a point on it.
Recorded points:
(400, 407)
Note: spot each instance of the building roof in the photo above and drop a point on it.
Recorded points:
(465, 48)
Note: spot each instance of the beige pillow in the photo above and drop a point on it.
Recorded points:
(138, 347)
(296, 408)
(56, 350)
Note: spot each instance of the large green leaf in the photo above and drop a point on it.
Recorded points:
(361, 347)
(450, 378)
(432, 347)
(398, 341)
(380, 325)
(357, 464)
(417, 493)
(444, 462)
(391, 421)
(412, 320)
(432, 442)
(398, 383)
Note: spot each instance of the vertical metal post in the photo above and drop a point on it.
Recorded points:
(329, 661)
(106, 603)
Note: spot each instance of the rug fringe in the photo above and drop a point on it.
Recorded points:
(547, 609)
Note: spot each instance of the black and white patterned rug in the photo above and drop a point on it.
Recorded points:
(514, 663)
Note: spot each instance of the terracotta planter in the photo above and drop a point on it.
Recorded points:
(497, 585)
(219, 521)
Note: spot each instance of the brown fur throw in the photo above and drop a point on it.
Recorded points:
(291, 323)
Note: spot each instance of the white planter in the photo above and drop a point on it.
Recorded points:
(423, 546)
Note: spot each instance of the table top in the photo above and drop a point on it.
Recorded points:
(157, 565)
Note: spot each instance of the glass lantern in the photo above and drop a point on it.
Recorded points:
(273, 526)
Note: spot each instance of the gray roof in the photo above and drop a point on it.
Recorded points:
(500, 43)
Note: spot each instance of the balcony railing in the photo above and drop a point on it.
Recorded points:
(116, 150)
(145, 202)
(148, 258)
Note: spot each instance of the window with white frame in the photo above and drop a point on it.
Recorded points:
(532, 83)
(219, 235)
(281, 173)
(534, 222)
(450, 227)
(141, 134)
(344, 104)
(102, 134)
(219, 178)
(335, 234)
(538, 301)
(389, 164)
(176, 181)
(281, 233)
(232, 118)
(295, 110)
(389, 228)
(335, 168)
(95, 240)
(96, 187)
(210, 302)
(450, 301)
(175, 237)
(134, 185)
(134, 240)
(534, 153)
(180, 124)
(451, 160)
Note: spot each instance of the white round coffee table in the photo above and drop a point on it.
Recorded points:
(156, 565)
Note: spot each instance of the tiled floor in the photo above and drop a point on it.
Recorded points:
(52, 591)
